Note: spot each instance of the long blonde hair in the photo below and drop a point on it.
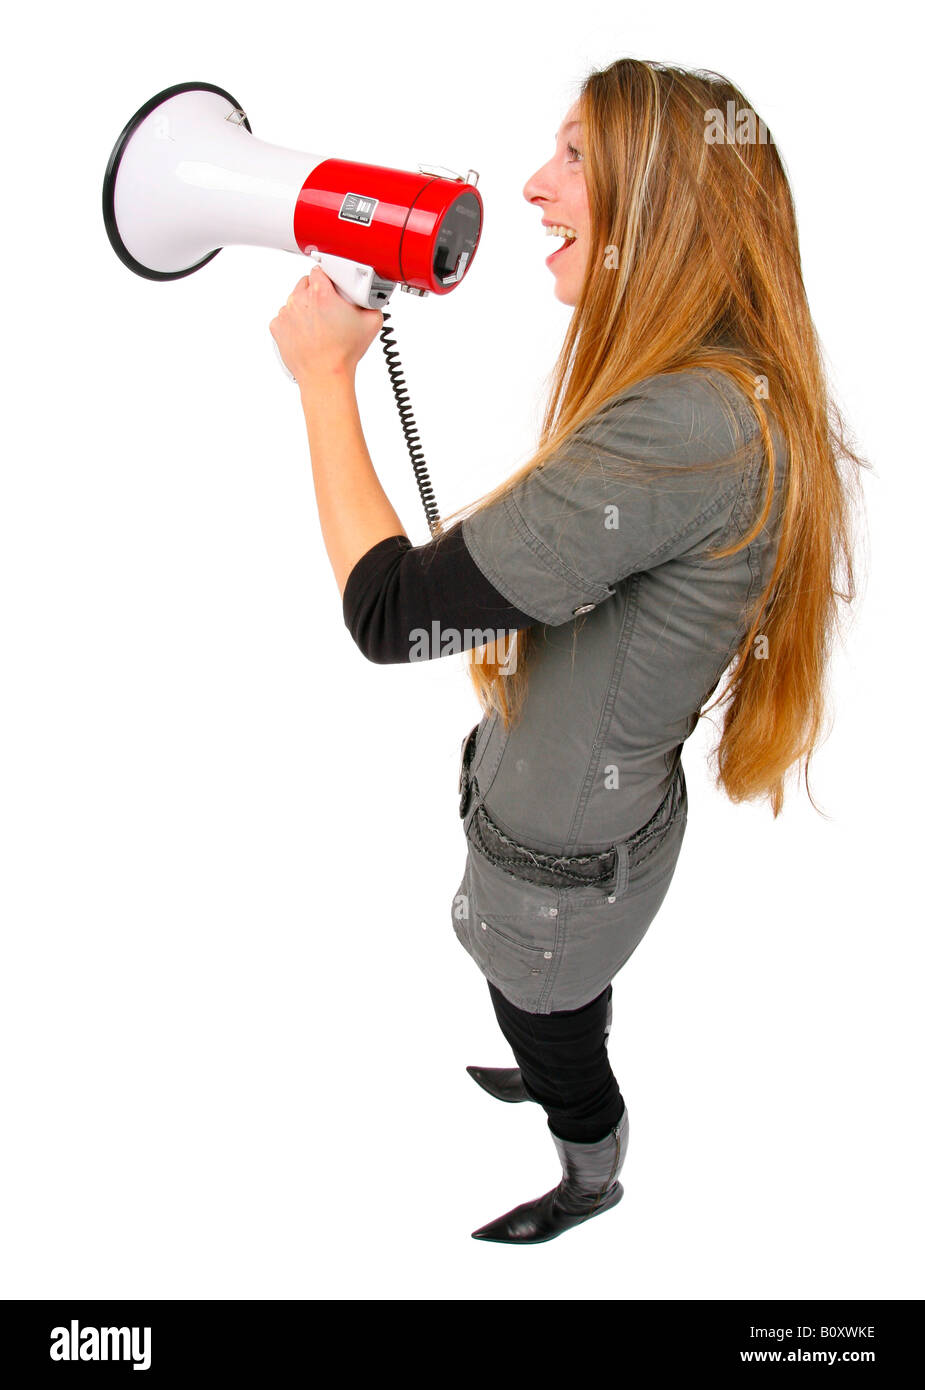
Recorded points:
(708, 256)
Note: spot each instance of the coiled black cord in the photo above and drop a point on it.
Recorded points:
(396, 376)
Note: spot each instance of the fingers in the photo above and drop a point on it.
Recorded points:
(307, 285)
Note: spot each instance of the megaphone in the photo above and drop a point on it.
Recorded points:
(187, 177)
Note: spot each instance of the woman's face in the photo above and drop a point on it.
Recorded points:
(559, 190)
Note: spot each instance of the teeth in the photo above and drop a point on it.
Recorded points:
(568, 232)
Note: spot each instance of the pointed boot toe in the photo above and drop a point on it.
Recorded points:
(504, 1083)
(544, 1219)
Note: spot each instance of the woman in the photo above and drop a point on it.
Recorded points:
(684, 516)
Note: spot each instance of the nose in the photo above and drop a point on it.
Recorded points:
(539, 185)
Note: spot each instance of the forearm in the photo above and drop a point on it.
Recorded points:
(353, 509)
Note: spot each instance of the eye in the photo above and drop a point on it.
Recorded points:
(572, 151)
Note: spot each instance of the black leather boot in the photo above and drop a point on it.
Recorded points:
(505, 1083)
(589, 1186)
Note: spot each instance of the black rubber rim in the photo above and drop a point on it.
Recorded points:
(112, 169)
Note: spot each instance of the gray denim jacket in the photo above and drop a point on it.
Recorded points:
(574, 817)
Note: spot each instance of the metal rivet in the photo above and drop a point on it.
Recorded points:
(585, 608)
(612, 898)
(547, 955)
(484, 925)
(553, 912)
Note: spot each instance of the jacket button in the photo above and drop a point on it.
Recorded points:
(585, 608)
(483, 925)
(547, 955)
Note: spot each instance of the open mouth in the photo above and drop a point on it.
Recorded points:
(570, 237)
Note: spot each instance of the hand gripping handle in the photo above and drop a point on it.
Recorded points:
(358, 284)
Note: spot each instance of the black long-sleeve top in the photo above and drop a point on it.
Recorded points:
(396, 592)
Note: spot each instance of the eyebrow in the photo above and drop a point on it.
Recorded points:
(570, 126)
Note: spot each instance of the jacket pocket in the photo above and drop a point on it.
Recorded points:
(511, 962)
(511, 929)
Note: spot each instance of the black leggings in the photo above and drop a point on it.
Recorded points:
(564, 1065)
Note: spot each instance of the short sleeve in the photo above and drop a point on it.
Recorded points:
(562, 539)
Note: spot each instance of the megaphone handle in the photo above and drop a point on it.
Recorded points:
(314, 261)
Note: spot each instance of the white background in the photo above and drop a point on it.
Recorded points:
(234, 1017)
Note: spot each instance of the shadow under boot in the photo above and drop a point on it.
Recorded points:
(589, 1186)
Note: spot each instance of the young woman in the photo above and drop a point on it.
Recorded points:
(685, 516)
